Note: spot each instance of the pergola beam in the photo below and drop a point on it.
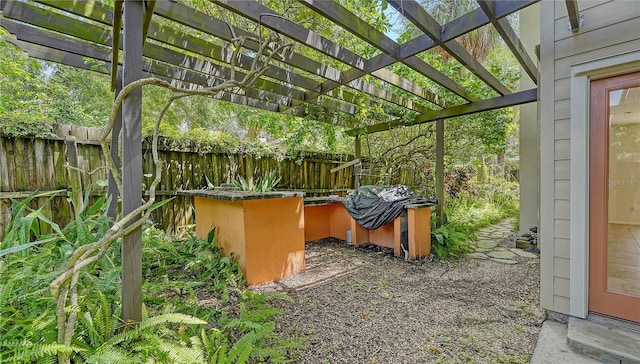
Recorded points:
(516, 98)
(273, 92)
(574, 14)
(207, 24)
(148, 14)
(175, 55)
(347, 20)
(115, 42)
(510, 38)
(265, 16)
(425, 22)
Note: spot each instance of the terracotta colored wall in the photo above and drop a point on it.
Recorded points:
(266, 235)
(383, 236)
(322, 221)
(340, 221)
(419, 223)
(317, 221)
(274, 232)
(228, 217)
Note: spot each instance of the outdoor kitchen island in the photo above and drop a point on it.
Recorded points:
(266, 231)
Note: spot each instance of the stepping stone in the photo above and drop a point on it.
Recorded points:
(477, 255)
(523, 253)
(501, 254)
(483, 250)
(487, 244)
(504, 261)
(501, 249)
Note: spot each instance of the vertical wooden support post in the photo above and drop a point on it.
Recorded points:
(132, 162)
(358, 167)
(440, 172)
(112, 189)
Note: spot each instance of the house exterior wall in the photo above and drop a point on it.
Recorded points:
(610, 28)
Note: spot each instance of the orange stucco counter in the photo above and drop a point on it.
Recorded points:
(265, 231)
(329, 218)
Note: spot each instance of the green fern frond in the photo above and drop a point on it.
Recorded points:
(27, 352)
(241, 324)
(181, 353)
(128, 336)
(113, 355)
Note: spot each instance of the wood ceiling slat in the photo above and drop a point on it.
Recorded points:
(57, 22)
(516, 98)
(56, 41)
(88, 9)
(421, 19)
(510, 38)
(347, 20)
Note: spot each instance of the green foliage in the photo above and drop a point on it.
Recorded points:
(450, 241)
(267, 183)
(179, 272)
(486, 204)
(472, 206)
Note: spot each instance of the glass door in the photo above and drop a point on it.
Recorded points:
(614, 238)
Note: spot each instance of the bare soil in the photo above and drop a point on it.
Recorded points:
(362, 305)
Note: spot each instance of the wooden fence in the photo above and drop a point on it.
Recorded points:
(28, 165)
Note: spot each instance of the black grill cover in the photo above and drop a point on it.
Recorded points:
(374, 206)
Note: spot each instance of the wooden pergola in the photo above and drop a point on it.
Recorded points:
(180, 44)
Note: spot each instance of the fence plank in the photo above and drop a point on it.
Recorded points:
(5, 184)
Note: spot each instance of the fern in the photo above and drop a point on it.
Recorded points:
(136, 332)
(25, 352)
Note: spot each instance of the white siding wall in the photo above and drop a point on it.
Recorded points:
(610, 27)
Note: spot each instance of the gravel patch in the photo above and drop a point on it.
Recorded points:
(359, 305)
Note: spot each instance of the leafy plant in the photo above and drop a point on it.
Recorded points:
(449, 241)
(267, 183)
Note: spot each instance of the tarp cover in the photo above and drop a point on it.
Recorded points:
(374, 206)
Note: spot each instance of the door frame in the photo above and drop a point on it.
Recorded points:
(581, 76)
(601, 297)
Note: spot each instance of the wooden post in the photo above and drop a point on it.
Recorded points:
(112, 189)
(358, 167)
(440, 172)
(132, 162)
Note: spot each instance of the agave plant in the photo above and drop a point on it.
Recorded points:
(266, 184)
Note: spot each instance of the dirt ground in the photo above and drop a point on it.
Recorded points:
(358, 305)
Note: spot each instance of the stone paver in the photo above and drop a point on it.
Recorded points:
(501, 254)
(523, 253)
(477, 255)
(487, 245)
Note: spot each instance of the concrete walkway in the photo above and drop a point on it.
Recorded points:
(488, 245)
